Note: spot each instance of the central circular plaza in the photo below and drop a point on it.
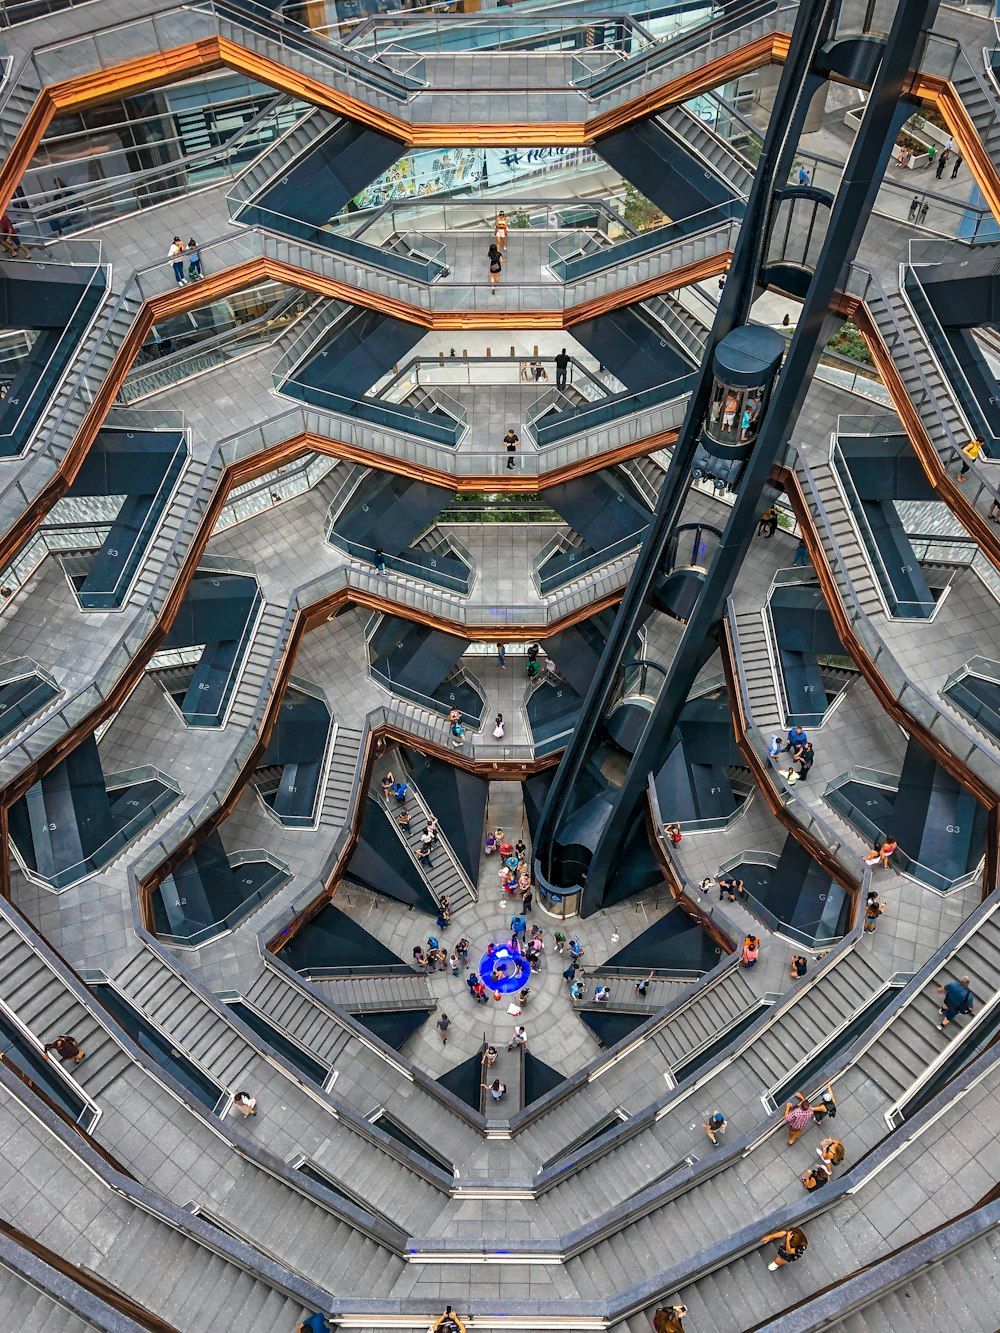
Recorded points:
(504, 969)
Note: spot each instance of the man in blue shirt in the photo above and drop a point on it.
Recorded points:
(958, 999)
(518, 926)
(316, 1323)
(796, 737)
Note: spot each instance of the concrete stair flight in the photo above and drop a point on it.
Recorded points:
(170, 1271)
(914, 1040)
(445, 876)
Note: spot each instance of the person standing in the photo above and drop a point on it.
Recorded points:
(496, 1089)
(500, 229)
(448, 1322)
(972, 450)
(378, 560)
(805, 759)
(443, 1024)
(764, 522)
(498, 728)
(750, 952)
(942, 162)
(519, 1039)
(801, 556)
(816, 1177)
(511, 440)
(803, 175)
(715, 1127)
(914, 208)
(562, 366)
(795, 739)
(958, 163)
(57, 217)
(10, 240)
(194, 259)
(831, 1153)
(502, 656)
(245, 1104)
(496, 268)
(799, 1115)
(175, 255)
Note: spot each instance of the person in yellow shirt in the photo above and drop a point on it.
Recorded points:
(972, 450)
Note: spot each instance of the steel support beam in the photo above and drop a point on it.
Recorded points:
(886, 110)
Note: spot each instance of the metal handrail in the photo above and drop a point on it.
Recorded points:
(293, 305)
(100, 197)
(764, 914)
(223, 925)
(809, 820)
(870, 830)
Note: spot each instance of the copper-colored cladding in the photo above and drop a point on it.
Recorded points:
(511, 484)
(941, 93)
(161, 68)
(675, 885)
(234, 279)
(982, 792)
(763, 778)
(83, 1277)
(947, 488)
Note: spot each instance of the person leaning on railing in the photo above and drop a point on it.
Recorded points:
(448, 1322)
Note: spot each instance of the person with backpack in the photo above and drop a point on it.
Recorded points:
(826, 1106)
(958, 999)
(816, 1177)
(792, 1245)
